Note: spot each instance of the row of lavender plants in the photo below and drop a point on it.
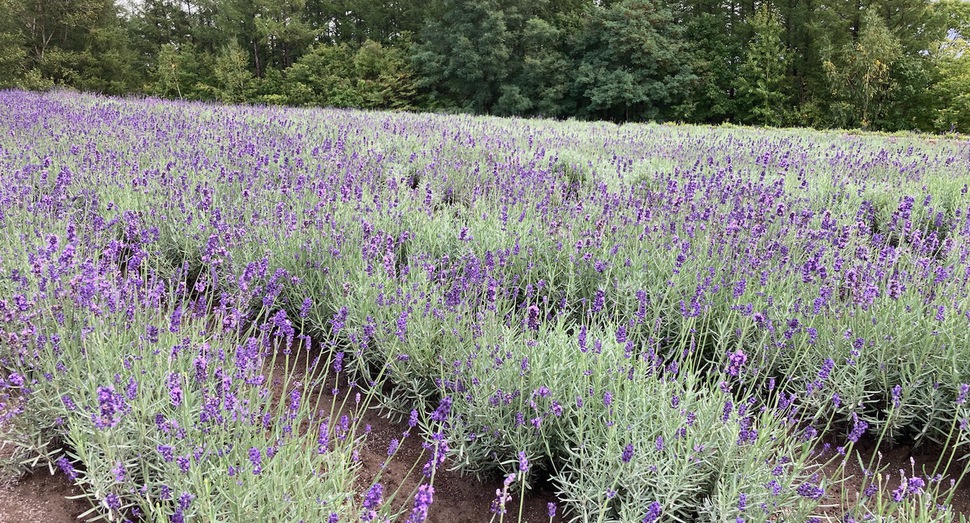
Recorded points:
(667, 323)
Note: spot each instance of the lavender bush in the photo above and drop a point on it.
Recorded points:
(703, 309)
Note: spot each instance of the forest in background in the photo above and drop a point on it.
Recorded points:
(890, 65)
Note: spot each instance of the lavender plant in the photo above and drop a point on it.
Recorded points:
(572, 292)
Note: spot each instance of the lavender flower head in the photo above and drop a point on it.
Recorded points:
(532, 318)
(111, 405)
(627, 454)
(422, 502)
(654, 510)
(372, 500)
(736, 361)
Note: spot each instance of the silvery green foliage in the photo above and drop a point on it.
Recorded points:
(526, 315)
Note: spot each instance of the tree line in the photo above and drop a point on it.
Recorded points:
(872, 64)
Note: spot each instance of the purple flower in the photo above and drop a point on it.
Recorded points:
(183, 463)
(422, 502)
(551, 509)
(110, 404)
(443, 411)
(502, 496)
(827, 366)
(858, 428)
(523, 462)
(962, 397)
(909, 487)
(439, 449)
(184, 500)
(201, 365)
(627, 454)
(67, 468)
(166, 452)
(174, 382)
(736, 360)
(323, 437)
(739, 288)
(372, 501)
(131, 392)
(119, 472)
(151, 334)
(255, 457)
(68, 403)
(305, 308)
(599, 300)
(654, 510)
(112, 501)
(402, 325)
(810, 490)
(532, 318)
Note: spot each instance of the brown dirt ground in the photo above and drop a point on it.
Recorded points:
(40, 498)
(890, 461)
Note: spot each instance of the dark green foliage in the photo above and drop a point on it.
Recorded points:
(462, 58)
(372, 77)
(761, 98)
(632, 63)
(877, 64)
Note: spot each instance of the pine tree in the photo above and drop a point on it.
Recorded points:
(760, 81)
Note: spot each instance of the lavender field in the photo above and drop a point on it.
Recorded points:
(659, 323)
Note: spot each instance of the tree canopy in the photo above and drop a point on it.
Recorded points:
(874, 64)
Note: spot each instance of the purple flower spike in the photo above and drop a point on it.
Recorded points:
(372, 501)
(736, 361)
(654, 510)
(627, 453)
(422, 502)
(67, 468)
(255, 457)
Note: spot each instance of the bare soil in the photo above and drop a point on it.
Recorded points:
(40, 498)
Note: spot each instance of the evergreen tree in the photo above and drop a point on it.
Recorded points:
(323, 76)
(632, 63)
(281, 31)
(760, 82)
(463, 58)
